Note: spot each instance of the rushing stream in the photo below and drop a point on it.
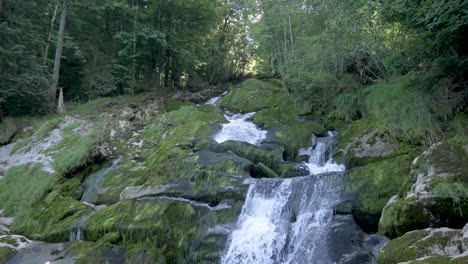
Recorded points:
(286, 220)
(293, 220)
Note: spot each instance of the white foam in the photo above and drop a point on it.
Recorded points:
(240, 129)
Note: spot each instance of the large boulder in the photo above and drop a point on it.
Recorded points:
(439, 193)
(441, 245)
(369, 188)
(377, 165)
(364, 141)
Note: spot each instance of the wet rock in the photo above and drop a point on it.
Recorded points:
(349, 244)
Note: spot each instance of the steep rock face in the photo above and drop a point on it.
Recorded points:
(441, 245)
(438, 195)
(377, 166)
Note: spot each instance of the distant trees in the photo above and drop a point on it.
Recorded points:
(115, 47)
(320, 46)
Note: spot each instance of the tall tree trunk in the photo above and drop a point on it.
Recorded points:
(1, 7)
(134, 40)
(58, 52)
(277, 51)
(49, 38)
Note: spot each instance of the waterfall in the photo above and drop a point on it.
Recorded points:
(286, 220)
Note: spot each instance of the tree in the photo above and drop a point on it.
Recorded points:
(58, 52)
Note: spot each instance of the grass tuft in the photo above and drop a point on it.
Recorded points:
(45, 129)
(75, 151)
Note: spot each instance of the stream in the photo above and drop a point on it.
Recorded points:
(293, 220)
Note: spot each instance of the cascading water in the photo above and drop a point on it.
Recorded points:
(91, 187)
(240, 129)
(286, 220)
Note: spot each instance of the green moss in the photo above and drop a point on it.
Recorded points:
(286, 129)
(5, 254)
(70, 127)
(174, 105)
(110, 238)
(459, 260)
(403, 216)
(375, 183)
(51, 218)
(254, 95)
(8, 128)
(165, 224)
(418, 244)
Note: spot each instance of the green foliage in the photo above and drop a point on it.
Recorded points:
(347, 106)
(456, 191)
(24, 81)
(407, 115)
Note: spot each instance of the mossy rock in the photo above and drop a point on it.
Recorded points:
(424, 246)
(173, 226)
(84, 252)
(368, 140)
(404, 215)
(174, 105)
(270, 155)
(372, 186)
(287, 129)
(6, 253)
(439, 197)
(253, 95)
(50, 220)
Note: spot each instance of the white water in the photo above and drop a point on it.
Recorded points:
(285, 220)
(240, 129)
(320, 158)
(214, 100)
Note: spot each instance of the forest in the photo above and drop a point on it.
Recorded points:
(233, 131)
(348, 57)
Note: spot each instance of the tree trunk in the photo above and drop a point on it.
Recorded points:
(49, 38)
(60, 105)
(134, 40)
(58, 51)
(1, 6)
(277, 51)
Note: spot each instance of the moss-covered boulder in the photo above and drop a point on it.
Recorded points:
(442, 245)
(173, 226)
(364, 141)
(439, 193)
(372, 185)
(287, 129)
(254, 95)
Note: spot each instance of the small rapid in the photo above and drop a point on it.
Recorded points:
(240, 129)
